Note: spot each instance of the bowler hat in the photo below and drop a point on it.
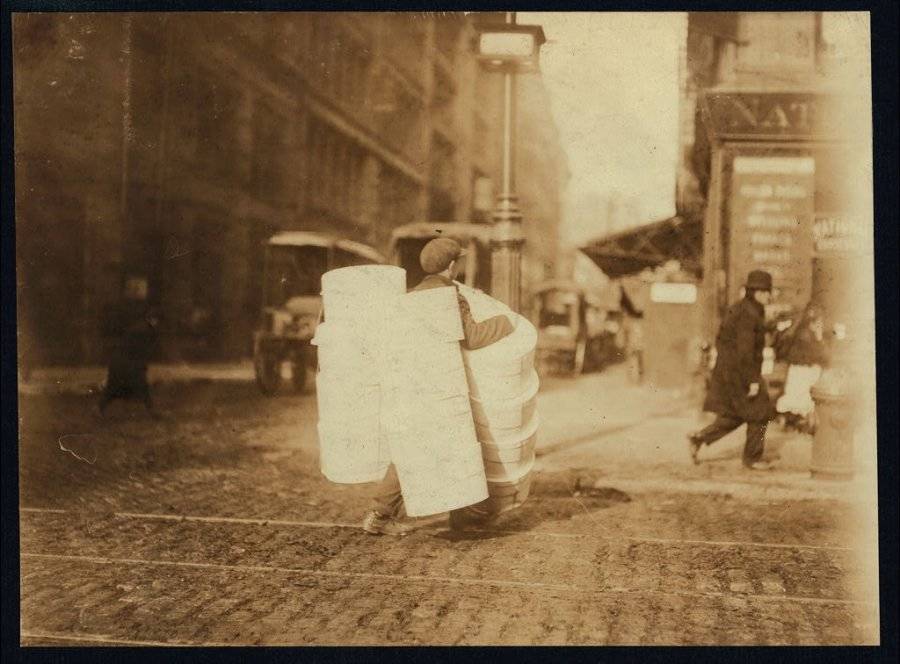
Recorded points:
(759, 280)
(437, 255)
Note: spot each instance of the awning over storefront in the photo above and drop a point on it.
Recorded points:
(648, 246)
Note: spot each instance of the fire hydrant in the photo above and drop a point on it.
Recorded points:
(832, 450)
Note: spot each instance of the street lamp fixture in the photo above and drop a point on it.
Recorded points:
(509, 48)
(510, 45)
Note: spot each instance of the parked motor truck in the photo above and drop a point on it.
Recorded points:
(559, 314)
(579, 329)
(292, 304)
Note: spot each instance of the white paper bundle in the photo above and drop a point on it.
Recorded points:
(507, 495)
(393, 387)
(510, 459)
(402, 410)
(502, 370)
(364, 280)
(432, 313)
(352, 451)
(426, 412)
(503, 388)
(360, 296)
(345, 353)
(497, 419)
(439, 468)
(340, 400)
(358, 303)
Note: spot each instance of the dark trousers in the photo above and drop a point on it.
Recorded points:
(725, 424)
(388, 500)
(141, 392)
(126, 378)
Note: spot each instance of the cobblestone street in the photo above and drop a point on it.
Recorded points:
(214, 526)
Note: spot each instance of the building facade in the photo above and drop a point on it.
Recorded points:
(764, 136)
(174, 145)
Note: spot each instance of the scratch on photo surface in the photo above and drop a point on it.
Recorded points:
(594, 521)
(75, 436)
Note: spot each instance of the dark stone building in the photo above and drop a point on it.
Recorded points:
(173, 145)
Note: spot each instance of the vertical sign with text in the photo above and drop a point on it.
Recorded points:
(772, 207)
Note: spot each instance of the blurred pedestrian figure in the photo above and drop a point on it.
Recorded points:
(737, 393)
(440, 261)
(804, 348)
(633, 323)
(131, 329)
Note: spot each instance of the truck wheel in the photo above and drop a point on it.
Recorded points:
(268, 373)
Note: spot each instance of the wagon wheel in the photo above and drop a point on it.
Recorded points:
(578, 360)
(268, 373)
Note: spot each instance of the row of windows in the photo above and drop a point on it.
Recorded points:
(210, 112)
(340, 60)
(337, 55)
(398, 198)
(267, 171)
(443, 163)
(336, 174)
(398, 113)
(208, 109)
(404, 40)
(446, 34)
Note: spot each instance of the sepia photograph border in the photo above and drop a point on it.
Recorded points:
(885, 159)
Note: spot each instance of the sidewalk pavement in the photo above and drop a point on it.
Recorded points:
(90, 379)
(635, 436)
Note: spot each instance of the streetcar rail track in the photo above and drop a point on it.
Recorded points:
(433, 525)
(447, 580)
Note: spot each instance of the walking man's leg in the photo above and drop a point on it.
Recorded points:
(386, 505)
(720, 427)
(755, 444)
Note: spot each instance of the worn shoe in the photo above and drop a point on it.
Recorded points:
(694, 446)
(758, 465)
(466, 517)
(376, 524)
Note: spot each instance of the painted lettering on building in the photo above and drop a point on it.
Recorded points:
(773, 114)
(837, 234)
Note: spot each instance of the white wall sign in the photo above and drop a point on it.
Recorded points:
(670, 293)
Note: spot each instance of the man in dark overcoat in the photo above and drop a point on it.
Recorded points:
(439, 260)
(737, 392)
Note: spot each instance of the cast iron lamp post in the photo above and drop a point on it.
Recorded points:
(508, 48)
